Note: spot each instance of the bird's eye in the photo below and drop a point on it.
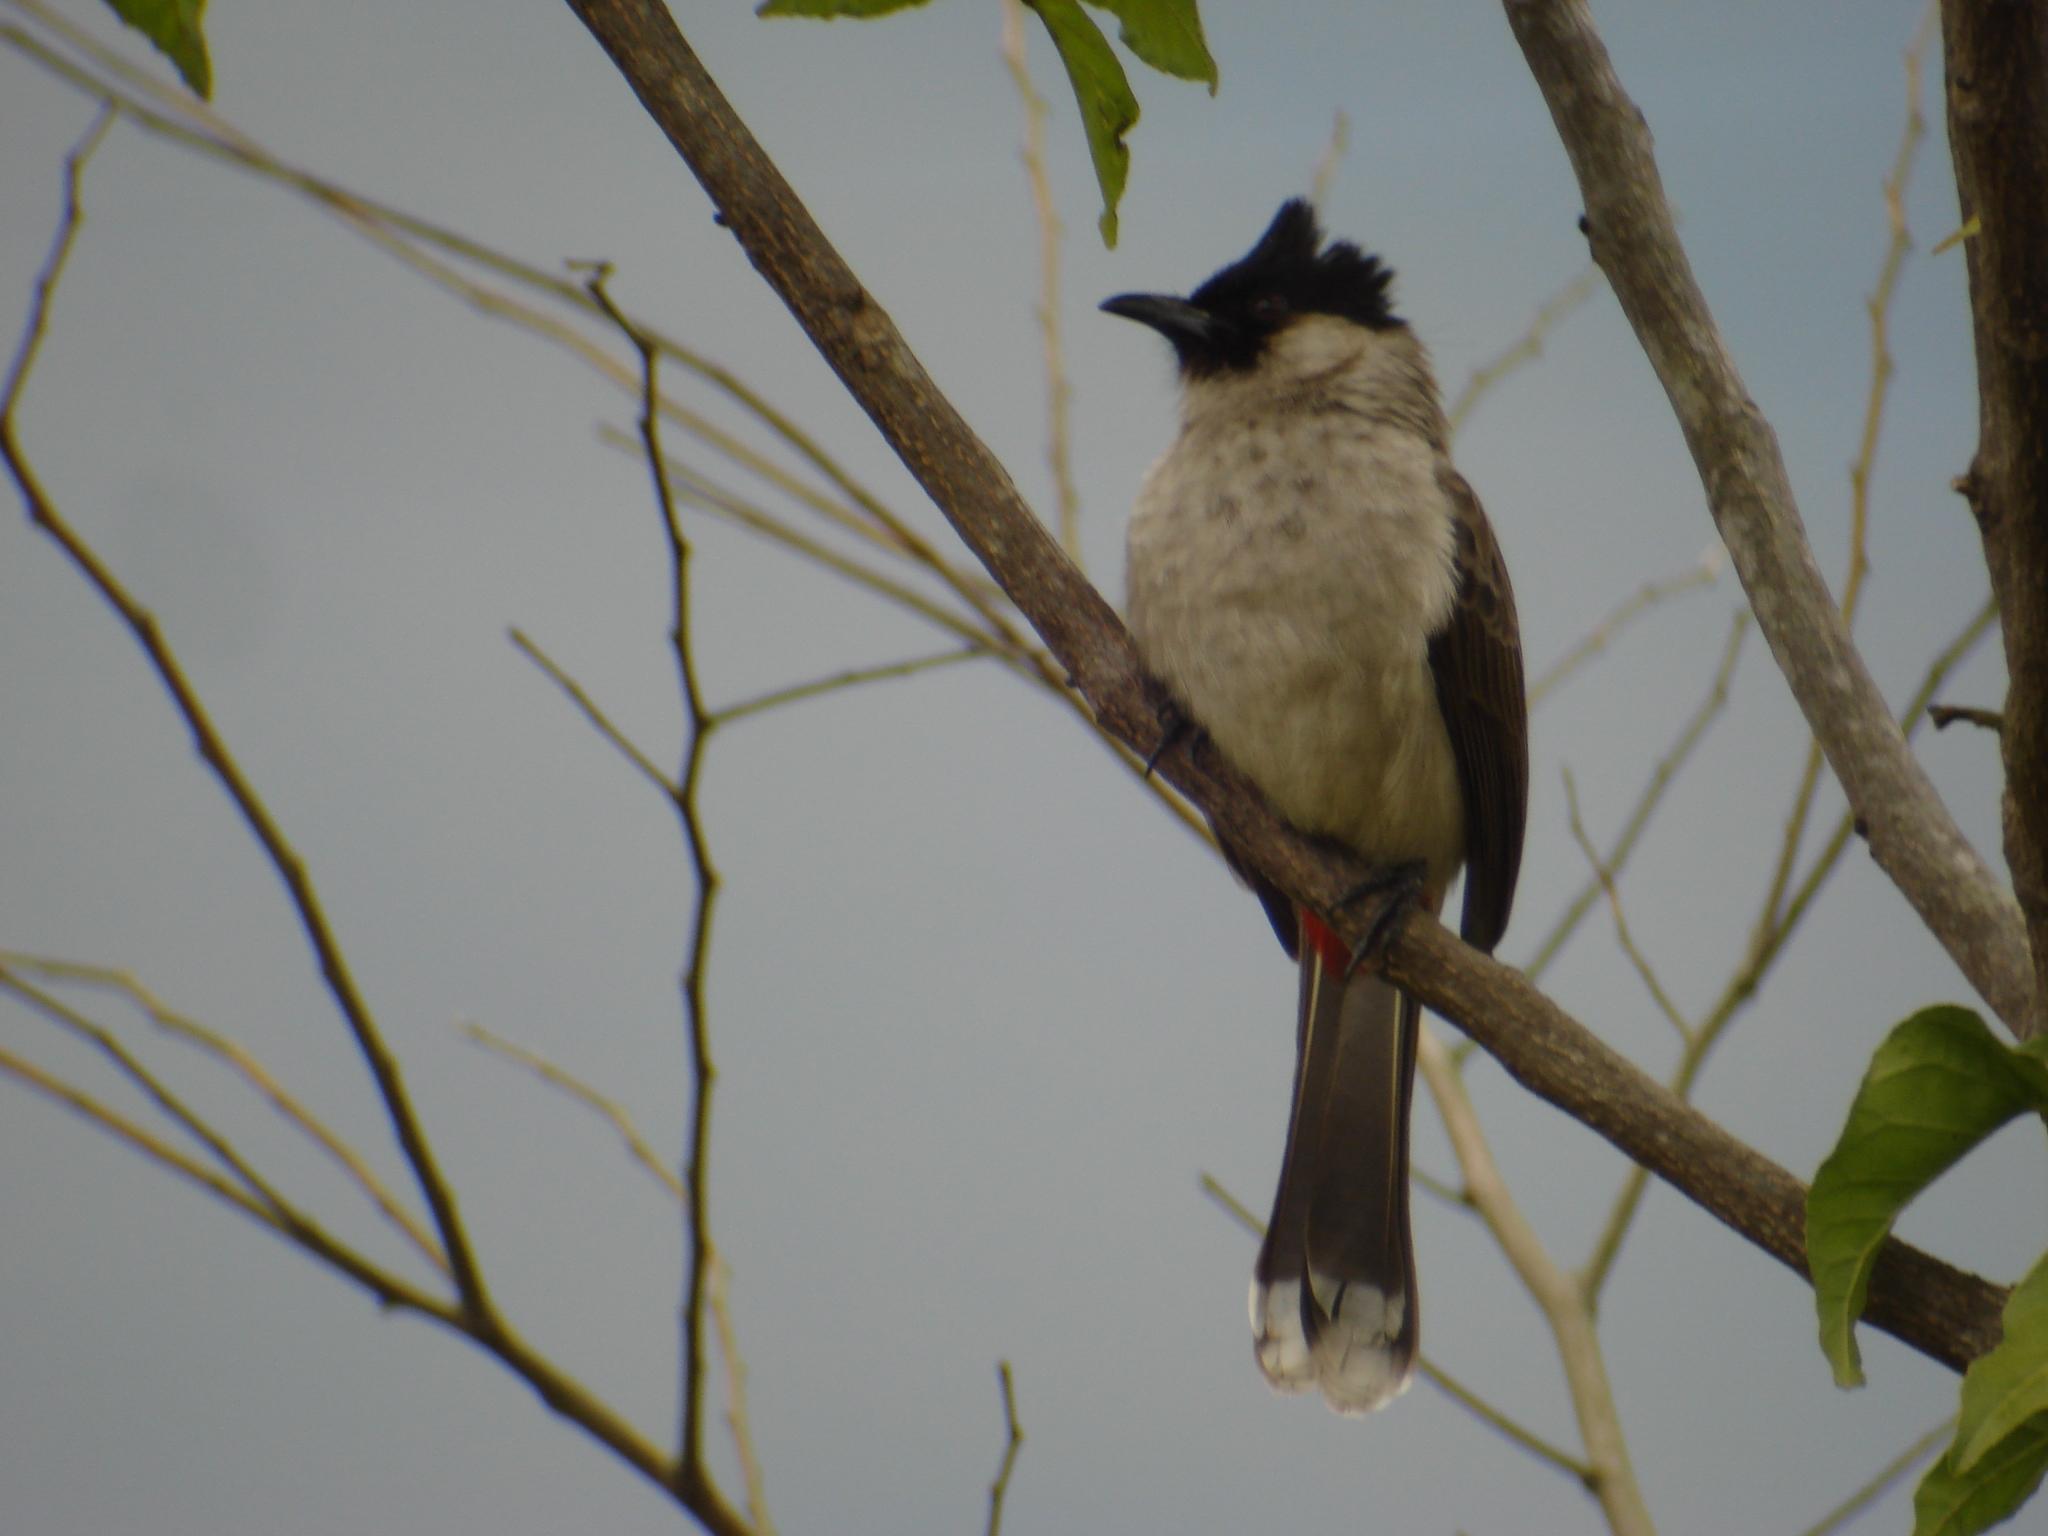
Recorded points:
(1269, 307)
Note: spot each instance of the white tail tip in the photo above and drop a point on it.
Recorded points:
(1352, 1350)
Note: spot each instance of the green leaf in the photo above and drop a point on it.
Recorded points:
(2007, 1387)
(1167, 34)
(830, 10)
(1939, 1084)
(173, 25)
(1953, 1503)
(1108, 109)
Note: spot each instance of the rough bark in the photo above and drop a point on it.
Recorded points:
(1997, 86)
(1635, 241)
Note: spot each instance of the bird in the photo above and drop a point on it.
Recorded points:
(1319, 593)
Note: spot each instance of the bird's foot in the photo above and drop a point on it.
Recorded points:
(1174, 728)
(1402, 885)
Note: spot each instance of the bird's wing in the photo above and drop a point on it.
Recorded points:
(1477, 661)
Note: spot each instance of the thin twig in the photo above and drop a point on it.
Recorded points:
(1332, 157)
(611, 1109)
(1491, 1416)
(1233, 1207)
(593, 713)
(122, 1129)
(853, 677)
(999, 1490)
(1878, 306)
(694, 1483)
(1946, 715)
(1703, 572)
(717, 1297)
(1661, 779)
(1045, 213)
(1938, 672)
(251, 1071)
(390, 1290)
(737, 1420)
(74, 1023)
(695, 491)
(1882, 1480)
(1525, 348)
(1755, 965)
(1608, 1473)
(1622, 935)
(284, 859)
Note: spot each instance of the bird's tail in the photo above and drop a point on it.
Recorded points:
(1333, 1297)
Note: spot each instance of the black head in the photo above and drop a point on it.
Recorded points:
(1226, 323)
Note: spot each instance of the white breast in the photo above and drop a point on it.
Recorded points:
(1288, 560)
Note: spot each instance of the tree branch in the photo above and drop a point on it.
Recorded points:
(1635, 242)
(1946, 1314)
(1997, 59)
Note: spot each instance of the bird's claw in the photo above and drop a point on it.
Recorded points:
(1401, 884)
(1174, 728)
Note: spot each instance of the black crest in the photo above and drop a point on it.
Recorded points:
(1226, 323)
(1291, 272)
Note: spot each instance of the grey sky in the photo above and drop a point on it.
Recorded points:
(983, 1013)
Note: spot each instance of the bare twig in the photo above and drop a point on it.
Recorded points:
(694, 491)
(1045, 213)
(1899, 240)
(122, 1129)
(1881, 1482)
(1629, 947)
(1661, 778)
(737, 1419)
(1878, 306)
(999, 1490)
(1525, 349)
(1946, 715)
(1233, 1207)
(284, 859)
(853, 677)
(717, 1297)
(251, 1071)
(620, 1118)
(389, 1289)
(1572, 1466)
(1749, 974)
(694, 1484)
(590, 711)
(1607, 1473)
(70, 1020)
(1703, 572)
(1634, 240)
(1332, 157)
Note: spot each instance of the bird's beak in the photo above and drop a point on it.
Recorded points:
(1177, 320)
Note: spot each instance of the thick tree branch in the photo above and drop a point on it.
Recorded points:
(1946, 1314)
(1635, 241)
(1997, 82)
